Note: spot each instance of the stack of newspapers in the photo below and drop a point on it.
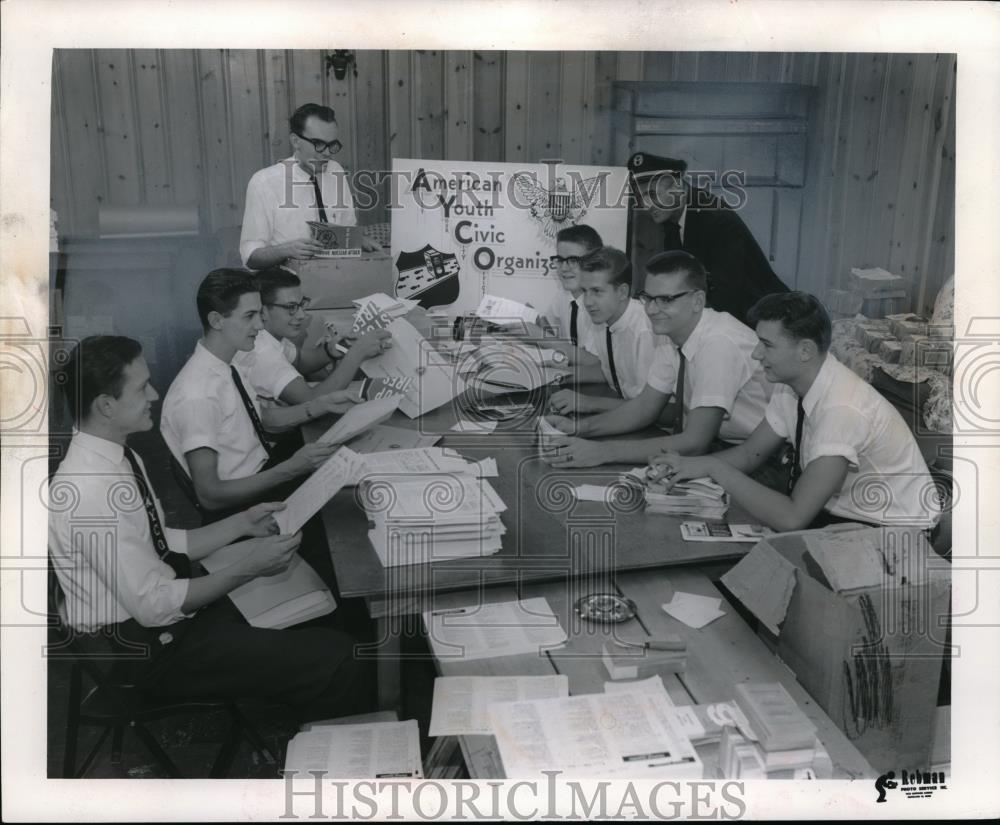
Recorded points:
(419, 518)
(700, 497)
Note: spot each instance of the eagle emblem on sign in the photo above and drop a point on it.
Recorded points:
(558, 207)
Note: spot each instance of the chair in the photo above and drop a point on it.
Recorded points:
(116, 705)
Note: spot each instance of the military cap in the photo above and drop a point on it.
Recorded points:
(644, 166)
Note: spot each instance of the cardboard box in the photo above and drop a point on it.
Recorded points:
(871, 658)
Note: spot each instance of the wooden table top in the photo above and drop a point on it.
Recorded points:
(720, 655)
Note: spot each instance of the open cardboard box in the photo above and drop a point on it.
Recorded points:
(870, 657)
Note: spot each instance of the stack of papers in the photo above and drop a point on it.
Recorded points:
(294, 596)
(386, 467)
(777, 720)
(508, 365)
(608, 735)
(425, 518)
(694, 610)
(486, 631)
(383, 437)
(461, 702)
(697, 497)
(378, 750)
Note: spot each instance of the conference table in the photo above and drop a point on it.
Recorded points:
(550, 534)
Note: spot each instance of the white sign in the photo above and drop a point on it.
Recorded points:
(464, 230)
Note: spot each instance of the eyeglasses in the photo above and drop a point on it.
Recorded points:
(661, 301)
(293, 307)
(332, 147)
(559, 260)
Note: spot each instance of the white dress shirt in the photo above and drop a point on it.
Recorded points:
(719, 372)
(280, 200)
(269, 366)
(100, 542)
(632, 344)
(203, 408)
(560, 311)
(888, 481)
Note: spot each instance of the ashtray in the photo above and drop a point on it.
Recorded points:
(606, 608)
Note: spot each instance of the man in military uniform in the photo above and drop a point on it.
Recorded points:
(697, 222)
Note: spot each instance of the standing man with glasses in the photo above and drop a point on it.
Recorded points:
(720, 390)
(309, 186)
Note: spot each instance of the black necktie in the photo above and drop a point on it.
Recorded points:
(319, 200)
(671, 236)
(796, 468)
(251, 411)
(180, 563)
(679, 393)
(574, 309)
(611, 365)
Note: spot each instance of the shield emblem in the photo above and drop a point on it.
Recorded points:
(427, 276)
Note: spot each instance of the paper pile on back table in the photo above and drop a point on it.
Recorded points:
(425, 518)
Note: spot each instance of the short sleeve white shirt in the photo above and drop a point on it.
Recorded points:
(720, 372)
(269, 366)
(100, 542)
(560, 312)
(281, 200)
(887, 481)
(203, 408)
(632, 344)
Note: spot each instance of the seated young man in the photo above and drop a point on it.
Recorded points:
(845, 435)
(565, 314)
(720, 391)
(148, 588)
(620, 336)
(276, 366)
(211, 420)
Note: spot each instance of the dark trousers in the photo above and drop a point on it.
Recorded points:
(216, 655)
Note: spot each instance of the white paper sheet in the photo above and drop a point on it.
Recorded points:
(694, 610)
(325, 482)
(490, 630)
(485, 468)
(384, 437)
(629, 734)
(592, 492)
(481, 427)
(505, 310)
(378, 750)
(359, 418)
(461, 703)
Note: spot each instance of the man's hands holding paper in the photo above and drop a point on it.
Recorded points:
(308, 458)
(259, 521)
(668, 468)
(564, 451)
(271, 555)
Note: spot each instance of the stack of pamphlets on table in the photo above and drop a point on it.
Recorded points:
(429, 517)
(700, 497)
(374, 750)
(785, 736)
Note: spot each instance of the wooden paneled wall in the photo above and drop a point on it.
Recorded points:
(179, 127)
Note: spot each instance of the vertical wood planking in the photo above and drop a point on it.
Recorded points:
(182, 126)
(685, 66)
(213, 90)
(841, 84)
(605, 67)
(459, 75)
(488, 106)
(62, 192)
(936, 229)
(247, 135)
(118, 126)
(151, 121)
(399, 78)
(429, 103)
(516, 114)
(372, 158)
(277, 104)
(895, 104)
(576, 106)
(543, 107)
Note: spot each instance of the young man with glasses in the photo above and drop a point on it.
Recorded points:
(565, 314)
(144, 590)
(854, 457)
(276, 366)
(620, 342)
(309, 186)
(720, 391)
